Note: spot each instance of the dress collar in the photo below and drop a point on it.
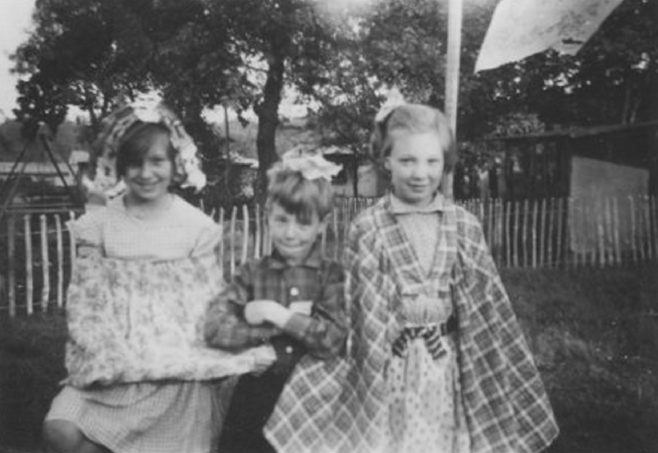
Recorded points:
(313, 260)
(400, 207)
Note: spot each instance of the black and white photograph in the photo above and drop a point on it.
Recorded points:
(328, 226)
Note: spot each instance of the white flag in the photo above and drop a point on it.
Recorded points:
(520, 28)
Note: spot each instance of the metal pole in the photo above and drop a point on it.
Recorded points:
(452, 77)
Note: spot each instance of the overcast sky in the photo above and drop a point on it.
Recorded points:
(15, 23)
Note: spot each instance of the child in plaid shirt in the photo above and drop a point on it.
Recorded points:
(291, 300)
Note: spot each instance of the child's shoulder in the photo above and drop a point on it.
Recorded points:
(368, 218)
(462, 214)
(185, 211)
(467, 222)
(94, 216)
(332, 266)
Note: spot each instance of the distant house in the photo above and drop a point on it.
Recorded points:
(575, 161)
(604, 172)
(356, 178)
(38, 171)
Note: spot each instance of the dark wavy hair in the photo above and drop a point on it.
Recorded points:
(136, 142)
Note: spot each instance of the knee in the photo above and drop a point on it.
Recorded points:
(61, 436)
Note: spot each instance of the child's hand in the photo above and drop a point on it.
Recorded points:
(264, 357)
(303, 307)
(259, 311)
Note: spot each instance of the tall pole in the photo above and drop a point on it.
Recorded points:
(452, 77)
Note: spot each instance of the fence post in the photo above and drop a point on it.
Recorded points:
(653, 201)
(72, 247)
(615, 228)
(45, 263)
(515, 254)
(609, 250)
(549, 243)
(508, 228)
(11, 252)
(221, 242)
(29, 279)
(600, 233)
(234, 214)
(561, 233)
(631, 206)
(259, 232)
(525, 232)
(498, 237)
(337, 236)
(60, 261)
(534, 233)
(542, 232)
(646, 215)
(245, 233)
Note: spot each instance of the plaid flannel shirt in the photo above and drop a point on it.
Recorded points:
(322, 335)
(506, 406)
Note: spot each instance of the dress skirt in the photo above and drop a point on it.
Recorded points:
(148, 417)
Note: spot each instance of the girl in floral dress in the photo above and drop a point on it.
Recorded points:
(139, 378)
(436, 359)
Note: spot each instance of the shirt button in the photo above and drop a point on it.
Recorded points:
(294, 292)
(288, 349)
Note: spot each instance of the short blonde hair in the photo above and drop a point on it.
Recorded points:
(413, 119)
(298, 195)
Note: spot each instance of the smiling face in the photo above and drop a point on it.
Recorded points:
(292, 237)
(148, 179)
(416, 164)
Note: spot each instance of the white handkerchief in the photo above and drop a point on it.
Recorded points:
(302, 307)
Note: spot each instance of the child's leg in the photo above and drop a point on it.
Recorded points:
(252, 403)
(62, 436)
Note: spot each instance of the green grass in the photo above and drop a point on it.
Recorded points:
(593, 331)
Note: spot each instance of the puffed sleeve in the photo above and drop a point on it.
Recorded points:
(87, 230)
(208, 239)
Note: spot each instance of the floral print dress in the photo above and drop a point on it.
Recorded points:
(149, 416)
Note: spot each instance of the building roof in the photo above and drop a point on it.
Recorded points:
(578, 131)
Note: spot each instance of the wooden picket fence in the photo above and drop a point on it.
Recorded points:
(36, 254)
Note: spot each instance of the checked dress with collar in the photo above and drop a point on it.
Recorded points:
(505, 405)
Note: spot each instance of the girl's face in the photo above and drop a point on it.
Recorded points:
(149, 180)
(293, 238)
(416, 166)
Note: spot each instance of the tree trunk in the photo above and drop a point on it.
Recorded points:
(268, 117)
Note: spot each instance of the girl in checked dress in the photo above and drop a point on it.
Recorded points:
(436, 359)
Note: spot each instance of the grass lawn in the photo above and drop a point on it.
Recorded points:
(594, 333)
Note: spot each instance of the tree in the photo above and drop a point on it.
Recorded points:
(400, 43)
(270, 36)
(201, 53)
(403, 43)
(87, 52)
(196, 52)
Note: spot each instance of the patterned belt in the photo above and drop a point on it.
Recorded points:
(431, 334)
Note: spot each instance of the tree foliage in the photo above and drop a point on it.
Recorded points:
(402, 43)
(203, 53)
(197, 53)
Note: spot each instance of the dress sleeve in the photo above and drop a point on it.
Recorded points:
(87, 231)
(496, 314)
(324, 332)
(225, 326)
(208, 239)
